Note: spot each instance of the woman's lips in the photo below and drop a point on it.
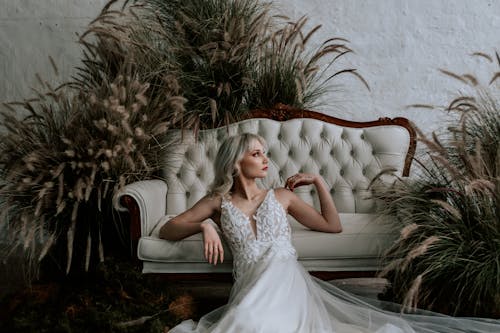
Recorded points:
(264, 168)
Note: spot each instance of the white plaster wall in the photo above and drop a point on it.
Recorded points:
(399, 44)
(30, 31)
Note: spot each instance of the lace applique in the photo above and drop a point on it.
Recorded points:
(273, 236)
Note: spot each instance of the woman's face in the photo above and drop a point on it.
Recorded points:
(253, 164)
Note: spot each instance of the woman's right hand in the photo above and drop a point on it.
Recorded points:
(213, 246)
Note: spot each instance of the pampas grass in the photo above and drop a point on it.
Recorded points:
(447, 258)
(233, 56)
(213, 43)
(286, 71)
(62, 162)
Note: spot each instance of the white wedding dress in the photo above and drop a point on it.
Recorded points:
(274, 293)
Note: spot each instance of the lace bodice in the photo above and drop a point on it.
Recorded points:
(273, 234)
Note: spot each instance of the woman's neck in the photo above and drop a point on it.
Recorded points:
(246, 188)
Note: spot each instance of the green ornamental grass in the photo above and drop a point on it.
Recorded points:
(447, 257)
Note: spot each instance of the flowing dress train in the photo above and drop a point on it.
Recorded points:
(274, 293)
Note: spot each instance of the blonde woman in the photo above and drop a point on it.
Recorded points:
(272, 291)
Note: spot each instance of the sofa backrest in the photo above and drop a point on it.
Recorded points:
(348, 156)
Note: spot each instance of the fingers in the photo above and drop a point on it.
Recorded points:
(210, 253)
(221, 253)
(214, 252)
(216, 255)
(206, 251)
(292, 181)
(299, 179)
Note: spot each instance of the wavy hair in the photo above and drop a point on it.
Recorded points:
(229, 154)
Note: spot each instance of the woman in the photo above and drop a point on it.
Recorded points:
(272, 291)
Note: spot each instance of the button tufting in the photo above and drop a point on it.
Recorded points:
(321, 172)
(279, 136)
(354, 190)
(362, 136)
(341, 172)
(313, 192)
(188, 194)
(352, 152)
(332, 153)
(280, 173)
(332, 191)
(311, 153)
(290, 153)
(364, 172)
(178, 175)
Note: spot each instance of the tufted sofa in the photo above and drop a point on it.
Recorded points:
(347, 154)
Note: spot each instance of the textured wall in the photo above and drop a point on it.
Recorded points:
(399, 44)
(30, 31)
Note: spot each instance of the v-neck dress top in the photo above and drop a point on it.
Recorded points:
(272, 238)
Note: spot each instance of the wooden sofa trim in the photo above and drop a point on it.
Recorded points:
(282, 112)
(228, 277)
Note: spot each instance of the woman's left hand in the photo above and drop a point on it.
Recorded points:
(299, 179)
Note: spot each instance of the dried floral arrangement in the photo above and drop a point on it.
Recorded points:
(76, 145)
(233, 56)
(147, 66)
(447, 257)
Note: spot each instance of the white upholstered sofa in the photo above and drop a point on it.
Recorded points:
(347, 154)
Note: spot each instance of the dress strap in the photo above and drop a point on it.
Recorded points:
(225, 201)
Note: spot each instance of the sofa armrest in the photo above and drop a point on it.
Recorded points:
(146, 203)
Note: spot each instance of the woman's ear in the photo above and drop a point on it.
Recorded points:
(237, 169)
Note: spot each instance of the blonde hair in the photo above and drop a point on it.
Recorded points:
(229, 154)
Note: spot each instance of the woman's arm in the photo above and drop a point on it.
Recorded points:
(328, 220)
(190, 223)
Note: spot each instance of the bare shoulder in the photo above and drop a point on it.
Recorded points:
(213, 202)
(284, 196)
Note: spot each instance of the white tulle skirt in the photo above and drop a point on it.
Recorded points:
(278, 295)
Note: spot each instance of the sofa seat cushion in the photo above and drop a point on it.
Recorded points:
(363, 236)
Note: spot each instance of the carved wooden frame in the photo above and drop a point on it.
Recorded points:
(282, 112)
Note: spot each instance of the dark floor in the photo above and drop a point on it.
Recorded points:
(366, 287)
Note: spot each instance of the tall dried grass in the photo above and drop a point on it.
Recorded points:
(231, 56)
(448, 256)
(286, 71)
(63, 161)
(211, 44)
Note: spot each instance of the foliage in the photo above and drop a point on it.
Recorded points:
(65, 153)
(285, 71)
(213, 43)
(232, 56)
(447, 257)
